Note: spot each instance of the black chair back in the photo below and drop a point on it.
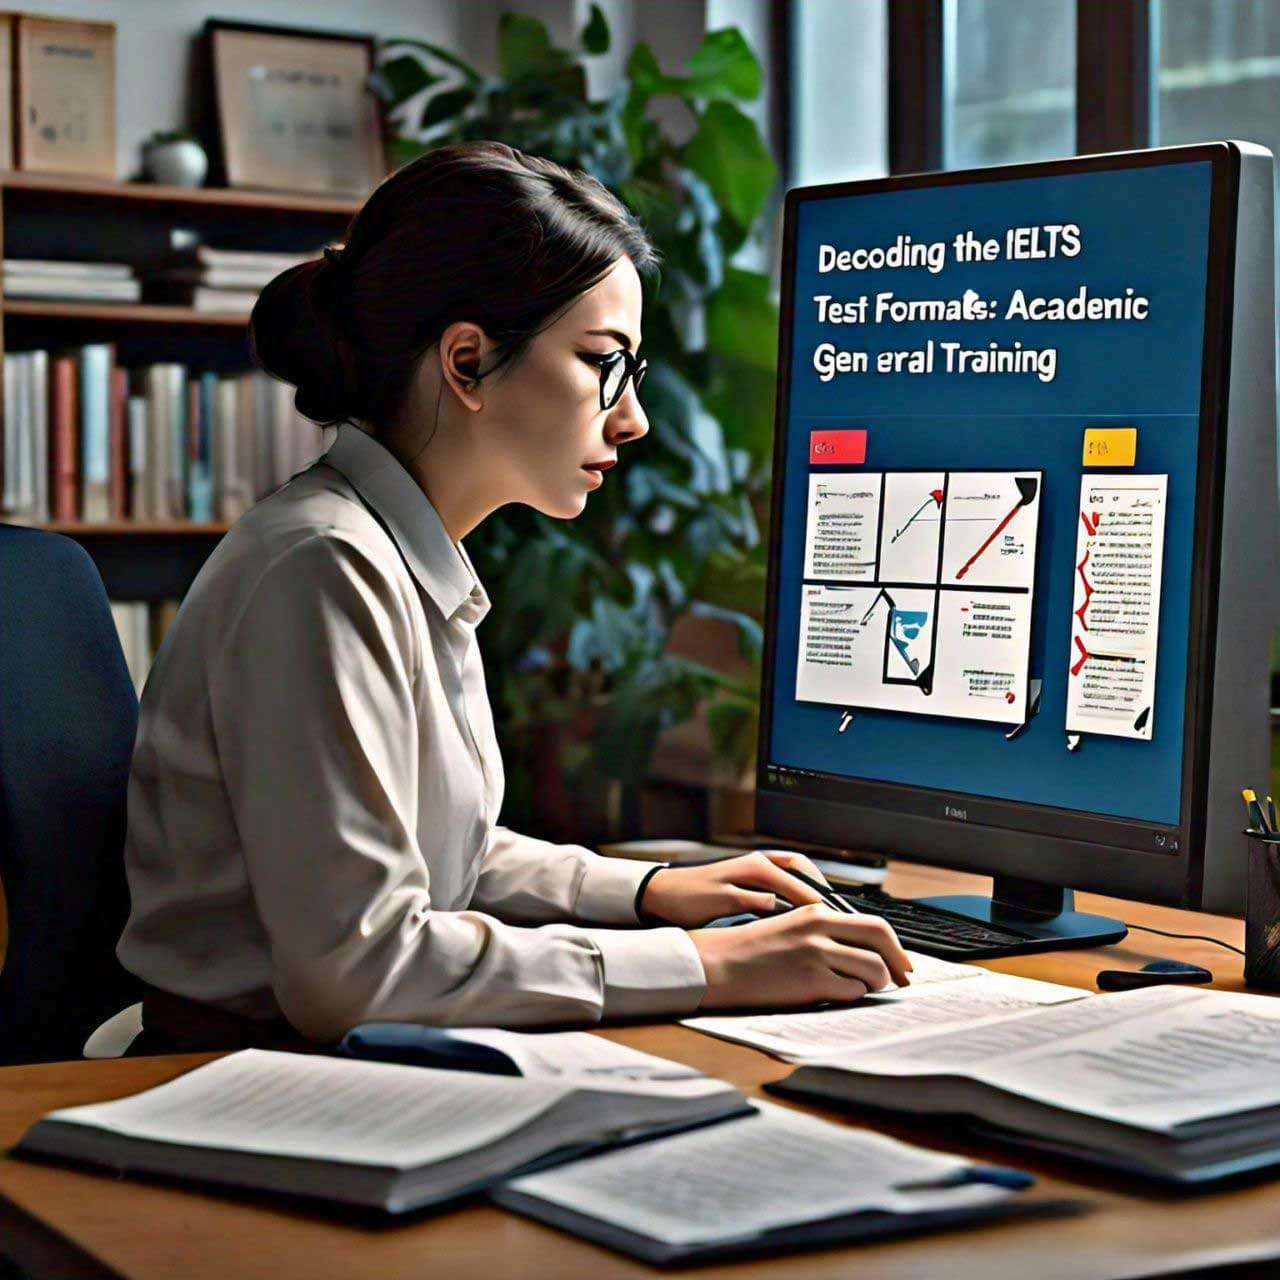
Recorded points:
(68, 716)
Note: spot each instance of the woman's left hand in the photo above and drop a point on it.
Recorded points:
(756, 882)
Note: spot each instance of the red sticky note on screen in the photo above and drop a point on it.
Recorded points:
(826, 447)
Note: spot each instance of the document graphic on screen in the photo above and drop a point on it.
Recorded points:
(990, 443)
(943, 625)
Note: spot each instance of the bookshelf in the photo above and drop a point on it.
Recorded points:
(59, 216)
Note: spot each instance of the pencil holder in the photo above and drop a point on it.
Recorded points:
(1262, 915)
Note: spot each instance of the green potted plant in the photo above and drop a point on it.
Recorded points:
(580, 669)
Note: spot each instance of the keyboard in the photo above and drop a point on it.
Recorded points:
(937, 932)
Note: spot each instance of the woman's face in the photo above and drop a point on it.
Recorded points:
(550, 441)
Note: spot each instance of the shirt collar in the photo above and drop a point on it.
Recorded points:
(441, 566)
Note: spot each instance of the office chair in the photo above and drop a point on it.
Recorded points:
(68, 715)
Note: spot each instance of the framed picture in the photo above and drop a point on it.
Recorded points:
(64, 95)
(291, 110)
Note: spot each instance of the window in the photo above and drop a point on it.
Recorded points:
(1009, 81)
(1219, 71)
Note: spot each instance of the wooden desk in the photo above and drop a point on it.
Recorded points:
(145, 1230)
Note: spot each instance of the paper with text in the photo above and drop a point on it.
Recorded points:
(821, 1033)
(376, 1113)
(1154, 1058)
(590, 1061)
(1115, 618)
(770, 1170)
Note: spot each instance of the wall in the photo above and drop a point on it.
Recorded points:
(155, 46)
(155, 42)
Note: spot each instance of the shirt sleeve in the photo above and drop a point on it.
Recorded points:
(316, 729)
(531, 880)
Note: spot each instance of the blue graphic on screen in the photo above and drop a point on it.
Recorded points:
(919, 559)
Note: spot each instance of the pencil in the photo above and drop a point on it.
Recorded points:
(1254, 809)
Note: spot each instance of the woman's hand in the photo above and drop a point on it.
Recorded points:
(813, 953)
(756, 882)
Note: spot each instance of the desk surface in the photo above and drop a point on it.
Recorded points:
(144, 1230)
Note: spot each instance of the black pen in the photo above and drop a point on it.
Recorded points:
(824, 891)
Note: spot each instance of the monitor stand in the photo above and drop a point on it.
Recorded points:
(1043, 911)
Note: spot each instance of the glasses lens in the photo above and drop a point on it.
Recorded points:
(615, 377)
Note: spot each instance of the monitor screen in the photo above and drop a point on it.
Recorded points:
(984, 557)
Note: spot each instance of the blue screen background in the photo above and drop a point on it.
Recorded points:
(1147, 228)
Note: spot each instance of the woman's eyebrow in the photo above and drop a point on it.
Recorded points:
(613, 333)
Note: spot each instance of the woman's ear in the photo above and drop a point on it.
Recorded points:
(463, 348)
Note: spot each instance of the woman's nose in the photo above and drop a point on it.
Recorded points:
(627, 421)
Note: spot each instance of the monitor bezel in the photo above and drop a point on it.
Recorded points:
(1135, 859)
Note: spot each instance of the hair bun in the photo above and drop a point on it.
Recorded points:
(293, 336)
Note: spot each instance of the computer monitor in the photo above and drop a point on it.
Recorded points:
(1023, 549)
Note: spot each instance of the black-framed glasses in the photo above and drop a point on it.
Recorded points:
(617, 368)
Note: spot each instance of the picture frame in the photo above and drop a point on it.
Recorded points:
(289, 109)
(64, 95)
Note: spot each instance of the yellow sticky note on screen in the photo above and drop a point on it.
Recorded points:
(1110, 446)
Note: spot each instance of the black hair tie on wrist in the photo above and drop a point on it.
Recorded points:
(643, 916)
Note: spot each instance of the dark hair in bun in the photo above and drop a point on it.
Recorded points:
(475, 231)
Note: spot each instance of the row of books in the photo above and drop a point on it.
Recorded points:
(193, 275)
(87, 439)
(141, 626)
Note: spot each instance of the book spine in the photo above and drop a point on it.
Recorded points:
(158, 465)
(24, 504)
(139, 459)
(119, 444)
(202, 460)
(96, 360)
(40, 430)
(175, 426)
(63, 411)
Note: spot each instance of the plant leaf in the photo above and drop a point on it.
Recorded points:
(400, 78)
(595, 35)
(434, 51)
(723, 66)
(728, 152)
(524, 46)
(742, 321)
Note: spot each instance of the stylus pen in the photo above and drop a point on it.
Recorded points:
(825, 892)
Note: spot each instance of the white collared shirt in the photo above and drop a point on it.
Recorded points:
(316, 783)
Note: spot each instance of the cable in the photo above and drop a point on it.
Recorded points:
(1190, 937)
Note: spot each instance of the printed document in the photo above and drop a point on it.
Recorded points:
(761, 1172)
(884, 1016)
(1115, 619)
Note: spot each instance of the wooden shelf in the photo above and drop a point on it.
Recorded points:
(127, 312)
(217, 197)
(135, 529)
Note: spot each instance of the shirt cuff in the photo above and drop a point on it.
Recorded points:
(607, 891)
(649, 971)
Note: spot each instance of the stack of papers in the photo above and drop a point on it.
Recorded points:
(778, 1179)
(1177, 1084)
(941, 994)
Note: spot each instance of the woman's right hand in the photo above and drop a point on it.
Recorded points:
(802, 956)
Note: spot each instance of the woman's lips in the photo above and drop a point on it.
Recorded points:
(596, 469)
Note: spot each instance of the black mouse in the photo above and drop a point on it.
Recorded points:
(1158, 971)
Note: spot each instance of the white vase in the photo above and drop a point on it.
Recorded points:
(177, 164)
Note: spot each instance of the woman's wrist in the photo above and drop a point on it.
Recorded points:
(642, 888)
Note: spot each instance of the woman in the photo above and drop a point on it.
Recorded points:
(312, 836)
